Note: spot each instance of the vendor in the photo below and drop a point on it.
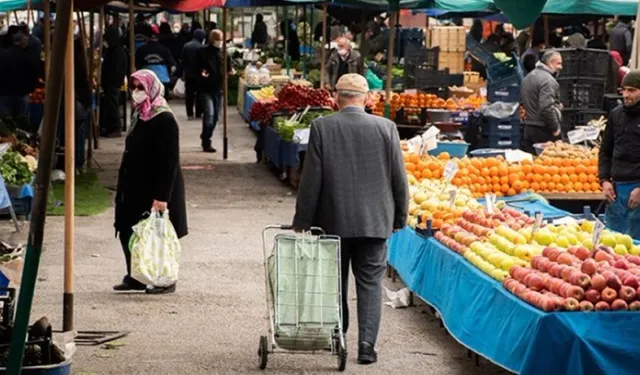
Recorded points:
(619, 160)
(540, 99)
(343, 60)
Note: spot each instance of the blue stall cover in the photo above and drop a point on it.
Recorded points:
(485, 317)
(281, 153)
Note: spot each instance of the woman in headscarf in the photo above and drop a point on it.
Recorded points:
(150, 177)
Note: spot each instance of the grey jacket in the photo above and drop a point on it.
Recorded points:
(333, 65)
(540, 96)
(353, 181)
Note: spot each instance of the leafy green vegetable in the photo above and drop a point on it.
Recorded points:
(286, 128)
(14, 169)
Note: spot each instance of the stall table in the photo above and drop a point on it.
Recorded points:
(243, 90)
(485, 317)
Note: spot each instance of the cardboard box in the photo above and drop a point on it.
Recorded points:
(448, 38)
(454, 61)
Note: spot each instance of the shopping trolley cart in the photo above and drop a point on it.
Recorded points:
(304, 295)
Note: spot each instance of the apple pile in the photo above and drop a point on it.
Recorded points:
(578, 280)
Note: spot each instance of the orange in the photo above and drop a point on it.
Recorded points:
(546, 177)
(547, 162)
(457, 181)
(503, 170)
(481, 180)
(504, 188)
(593, 170)
(511, 192)
(580, 169)
(504, 180)
(535, 186)
(420, 166)
(513, 177)
(496, 188)
(569, 170)
(551, 186)
(526, 162)
(525, 185)
(436, 224)
(566, 162)
(433, 165)
(543, 186)
(564, 178)
(444, 156)
(493, 171)
(436, 174)
(595, 186)
(438, 215)
(568, 186)
(527, 168)
(531, 177)
(575, 162)
(517, 186)
(538, 169)
(537, 178)
(415, 159)
(484, 172)
(417, 174)
(552, 170)
(582, 177)
(573, 177)
(557, 162)
(426, 173)
(556, 178)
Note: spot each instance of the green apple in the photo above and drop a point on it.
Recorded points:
(620, 249)
(635, 250)
(588, 226)
(588, 243)
(625, 240)
(507, 264)
(544, 237)
(526, 233)
(562, 242)
(573, 239)
(608, 240)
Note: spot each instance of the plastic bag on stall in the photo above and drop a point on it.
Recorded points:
(179, 89)
(155, 251)
(499, 109)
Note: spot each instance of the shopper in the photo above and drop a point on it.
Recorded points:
(343, 60)
(619, 160)
(190, 73)
(150, 176)
(114, 69)
(541, 101)
(154, 56)
(259, 36)
(621, 39)
(18, 74)
(354, 185)
(210, 68)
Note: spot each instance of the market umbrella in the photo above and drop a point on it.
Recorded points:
(599, 7)
(521, 13)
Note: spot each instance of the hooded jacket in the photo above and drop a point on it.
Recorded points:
(114, 66)
(189, 52)
(541, 99)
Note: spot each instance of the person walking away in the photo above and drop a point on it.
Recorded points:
(155, 57)
(354, 185)
(18, 74)
(167, 39)
(621, 39)
(114, 69)
(619, 160)
(150, 177)
(210, 66)
(293, 43)
(343, 60)
(190, 73)
(540, 99)
(259, 36)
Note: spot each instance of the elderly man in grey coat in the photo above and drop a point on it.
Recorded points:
(354, 185)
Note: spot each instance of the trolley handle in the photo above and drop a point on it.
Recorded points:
(290, 227)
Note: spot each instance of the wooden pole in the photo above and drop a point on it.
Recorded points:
(225, 75)
(28, 12)
(545, 23)
(323, 51)
(132, 45)
(69, 180)
(88, 64)
(41, 186)
(392, 39)
(96, 131)
(47, 39)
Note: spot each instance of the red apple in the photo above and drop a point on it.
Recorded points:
(619, 305)
(592, 295)
(580, 279)
(608, 295)
(535, 260)
(582, 253)
(634, 306)
(555, 269)
(565, 258)
(627, 293)
(614, 282)
(621, 264)
(632, 281)
(598, 282)
(567, 271)
(572, 250)
(535, 282)
(602, 306)
(602, 256)
(571, 304)
(575, 292)
(586, 306)
(589, 266)
(552, 253)
(634, 259)
(549, 304)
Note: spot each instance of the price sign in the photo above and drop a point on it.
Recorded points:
(597, 232)
(450, 170)
(415, 144)
(411, 92)
(536, 225)
(591, 133)
(491, 202)
(576, 136)
(453, 193)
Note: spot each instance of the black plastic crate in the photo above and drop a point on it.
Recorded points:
(426, 58)
(585, 63)
(507, 94)
(582, 93)
(507, 127)
(505, 73)
(577, 117)
(22, 206)
(456, 79)
(503, 142)
(424, 79)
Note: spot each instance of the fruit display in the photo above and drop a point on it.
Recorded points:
(496, 175)
(261, 111)
(37, 97)
(411, 101)
(290, 98)
(559, 149)
(265, 93)
(578, 280)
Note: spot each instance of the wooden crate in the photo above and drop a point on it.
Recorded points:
(454, 61)
(448, 38)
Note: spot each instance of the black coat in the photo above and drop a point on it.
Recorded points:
(209, 59)
(115, 64)
(150, 170)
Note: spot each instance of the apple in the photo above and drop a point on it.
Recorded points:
(603, 256)
(634, 259)
(627, 293)
(535, 282)
(586, 306)
(613, 281)
(632, 281)
(549, 304)
(602, 306)
(598, 282)
(571, 304)
(555, 269)
(634, 306)
(535, 260)
(589, 266)
(582, 253)
(608, 295)
(621, 264)
(565, 258)
(552, 253)
(592, 295)
(567, 272)
(545, 264)
(575, 292)
(580, 279)
(619, 305)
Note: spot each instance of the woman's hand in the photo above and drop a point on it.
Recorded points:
(159, 206)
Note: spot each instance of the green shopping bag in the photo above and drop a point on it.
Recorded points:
(155, 251)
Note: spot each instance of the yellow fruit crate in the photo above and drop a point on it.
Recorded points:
(448, 38)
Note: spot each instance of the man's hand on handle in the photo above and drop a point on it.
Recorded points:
(634, 198)
(609, 191)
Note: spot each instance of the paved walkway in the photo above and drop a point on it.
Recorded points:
(213, 322)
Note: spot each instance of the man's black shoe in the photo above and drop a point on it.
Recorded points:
(161, 290)
(367, 354)
(128, 284)
(209, 149)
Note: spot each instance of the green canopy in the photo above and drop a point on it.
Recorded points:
(597, 7)
(524, 12)
(11, 5)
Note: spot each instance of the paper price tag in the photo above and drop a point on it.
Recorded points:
(536, 225)
(415, 144)
(453, 193)
(491, 202)
(432, 132)
(591, 133)
(411, 91)
(597, 232)
(576, 136)
(450, 170)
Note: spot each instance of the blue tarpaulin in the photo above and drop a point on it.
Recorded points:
(485, 317)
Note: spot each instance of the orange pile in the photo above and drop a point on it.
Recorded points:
(429, 101)
(495, 175)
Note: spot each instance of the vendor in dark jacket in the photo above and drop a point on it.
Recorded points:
(114, 69)
(150, 177)
(18, 76)
(619, 160)
(190, 72)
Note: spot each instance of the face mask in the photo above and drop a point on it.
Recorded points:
(138, 96)
(342, 52)
(217, 44)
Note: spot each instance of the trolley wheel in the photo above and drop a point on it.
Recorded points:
(263, 352)
(342, 357)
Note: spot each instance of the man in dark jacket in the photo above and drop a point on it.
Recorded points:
(210, 68)
(114, 69)
(343, 60)
(154, 56)
(190, 72)
(354, 186)
(621, 39)
(619, 160)
(541, 101)
(18, 74)
(259, 36)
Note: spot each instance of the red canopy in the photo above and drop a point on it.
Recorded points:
(178, 5)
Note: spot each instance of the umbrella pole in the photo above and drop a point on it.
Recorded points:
(392, 37)
(323, 51)
(132, 49)
(47, 39)
(43, 179)
(287, 58)
(89, 56)
(225, 86)
(96, 132)
(69, 180)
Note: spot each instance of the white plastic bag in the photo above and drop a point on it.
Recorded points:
(179, 89)
(155, 251)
